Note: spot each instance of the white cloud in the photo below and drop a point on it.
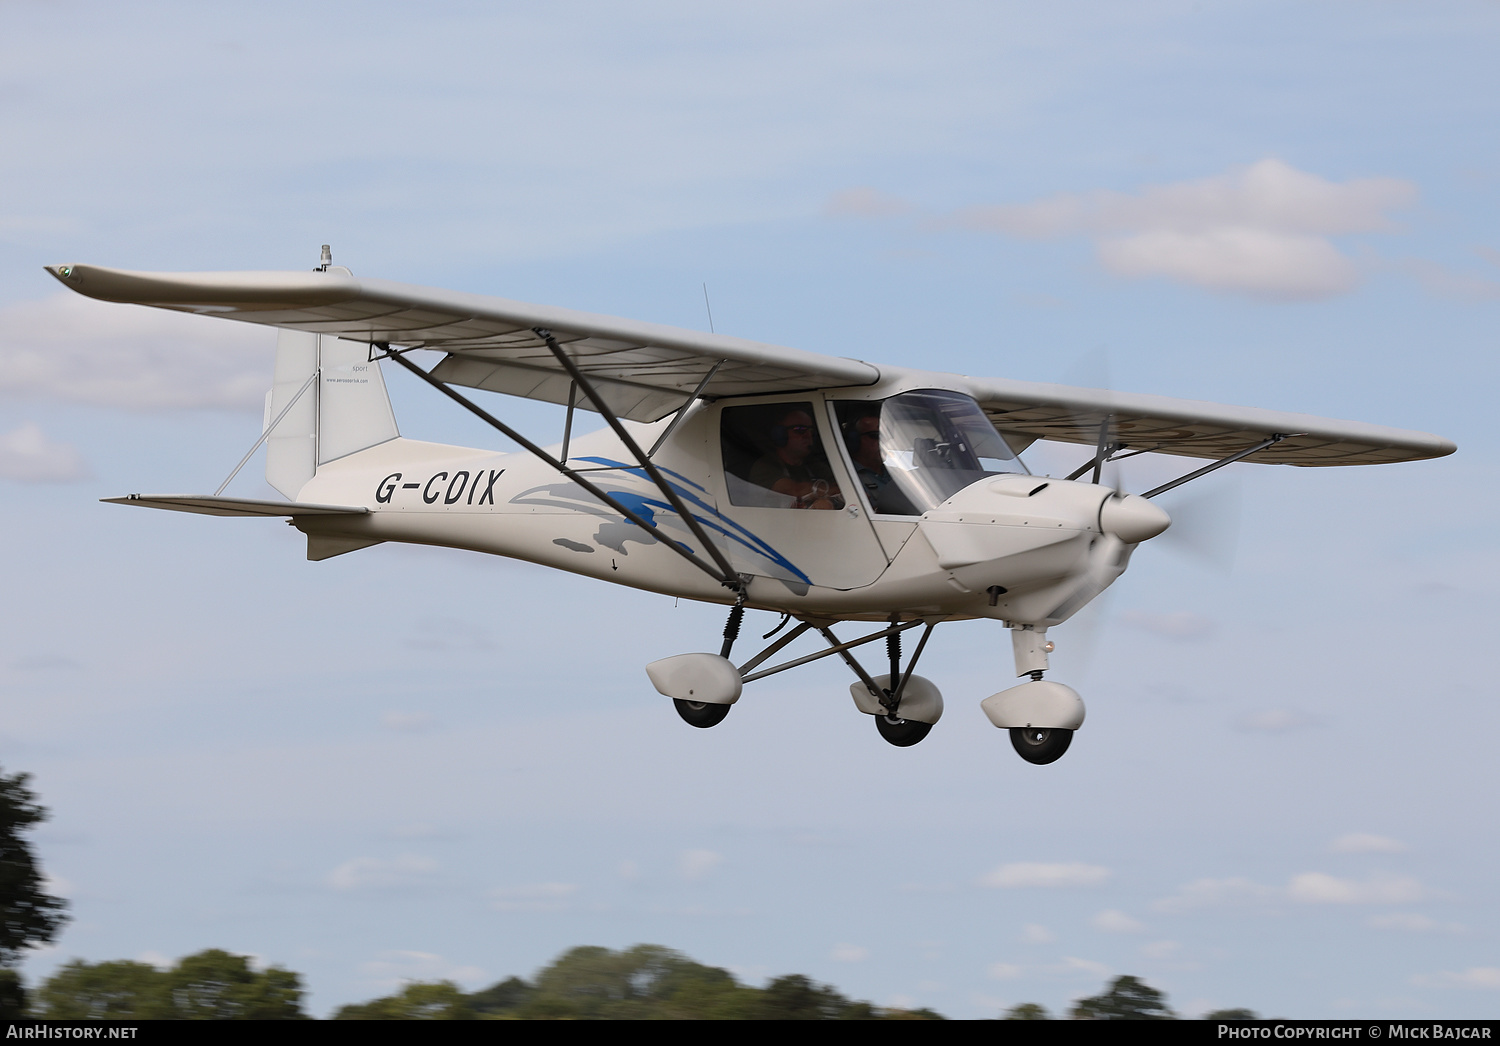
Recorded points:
(392, 969)
(1318, 888)
(849, 953)
(1207, 893)
(1260, 230)
(406, 722)
(1160, 949)
(1072, 964)
(695, 864)
(27, 455)
(534, 897)
(864, 202)
(1452, 283)
(77, 350)
(1112, 921)
(1414, 923)
(1033, 873)
(1035, 933)
(1277, 721)
(375, 873)
(1250, 261)
(1474, 977)
(1365, 843)
(1307, 888)
(1003, 971)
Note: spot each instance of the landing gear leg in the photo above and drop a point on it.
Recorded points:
(1040, 715)
(882, 697)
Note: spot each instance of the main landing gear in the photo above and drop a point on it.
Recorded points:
(904, 706)
(1041, 716)
(903, 733)
(700, 713)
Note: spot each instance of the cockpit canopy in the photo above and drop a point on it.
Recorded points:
(914, 451)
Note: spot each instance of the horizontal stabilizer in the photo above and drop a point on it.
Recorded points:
(208, 505)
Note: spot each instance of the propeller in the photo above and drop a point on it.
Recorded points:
(1205, 520)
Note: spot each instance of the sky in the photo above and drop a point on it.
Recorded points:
(409, 763)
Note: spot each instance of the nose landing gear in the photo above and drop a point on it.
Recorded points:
(1040, 715)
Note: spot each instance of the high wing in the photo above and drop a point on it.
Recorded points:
(1191, 428)
(644, 371)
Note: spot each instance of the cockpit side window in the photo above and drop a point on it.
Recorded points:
(774, 457)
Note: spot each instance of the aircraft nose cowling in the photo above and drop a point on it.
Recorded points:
(1132, 518)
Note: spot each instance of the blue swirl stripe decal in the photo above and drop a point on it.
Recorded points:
(714, 521)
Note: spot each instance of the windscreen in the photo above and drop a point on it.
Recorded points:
(914, 451)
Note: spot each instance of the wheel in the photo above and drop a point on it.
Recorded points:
(700, 713)
(903, 733)
(1040, 746)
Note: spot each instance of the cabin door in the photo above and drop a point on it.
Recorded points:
(786, 499)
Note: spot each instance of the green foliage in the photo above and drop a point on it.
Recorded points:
(642, 983)
(443, 1001)
(121, 990)
(796, 998)
(213, 985)
(12, 996)
(1239, 1014)
(1126, 999)
(510, 994)
(1027, 1011)
(647, 982)
(28, 915)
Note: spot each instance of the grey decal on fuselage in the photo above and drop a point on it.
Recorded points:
(576, 546)
(614, 535)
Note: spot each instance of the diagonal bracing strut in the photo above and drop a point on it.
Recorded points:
(728, 578)
(1273, 439)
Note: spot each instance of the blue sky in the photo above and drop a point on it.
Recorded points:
(415, 763)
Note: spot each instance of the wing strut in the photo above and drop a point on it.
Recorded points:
(730, 578)
(1272, 440)
(727, 577)
(682, 410)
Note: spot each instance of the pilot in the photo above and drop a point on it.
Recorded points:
(863, 438)
(796, 465)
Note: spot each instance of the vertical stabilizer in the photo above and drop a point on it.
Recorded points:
(331, 401)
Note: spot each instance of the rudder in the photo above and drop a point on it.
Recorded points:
(331, 402)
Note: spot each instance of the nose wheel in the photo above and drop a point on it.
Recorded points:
(1040, 746)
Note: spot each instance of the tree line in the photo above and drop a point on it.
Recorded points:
(646, 982)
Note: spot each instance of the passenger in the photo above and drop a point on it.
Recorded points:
(796, 465)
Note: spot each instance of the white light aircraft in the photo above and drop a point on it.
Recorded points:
(824, 489)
